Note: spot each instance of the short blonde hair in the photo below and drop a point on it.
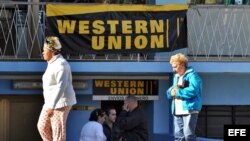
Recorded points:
(179, 57)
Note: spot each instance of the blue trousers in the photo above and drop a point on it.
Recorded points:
(184, 127)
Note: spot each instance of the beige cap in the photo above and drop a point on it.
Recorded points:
(52, 43)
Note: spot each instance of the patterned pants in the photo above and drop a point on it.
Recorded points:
(53, 128)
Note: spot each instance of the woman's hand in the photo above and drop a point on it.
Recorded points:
(50, 112)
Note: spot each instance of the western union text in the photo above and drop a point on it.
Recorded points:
(117, 35)
(121, 87)
(119, 83)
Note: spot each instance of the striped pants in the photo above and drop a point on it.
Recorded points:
(53, 128)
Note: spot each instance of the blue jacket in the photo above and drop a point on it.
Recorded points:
(191, 94)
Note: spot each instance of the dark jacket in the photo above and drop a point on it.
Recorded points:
(133, 125)
(108, 132)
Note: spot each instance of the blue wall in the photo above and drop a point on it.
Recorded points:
(161, 2)
(224, 83)
(161, 111)
(77, 118)
(162, 117)
(122, 67)
(6, 88)
(226, 89)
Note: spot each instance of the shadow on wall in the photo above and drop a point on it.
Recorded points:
(162, 137)
(167, 137)
(207, 139)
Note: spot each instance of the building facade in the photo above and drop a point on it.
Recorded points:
(218, 41)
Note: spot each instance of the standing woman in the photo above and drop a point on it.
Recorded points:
(58, 92)
(186, 97)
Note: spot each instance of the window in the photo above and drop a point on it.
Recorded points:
(212, 119)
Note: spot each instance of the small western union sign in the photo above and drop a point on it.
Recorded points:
(119, 89)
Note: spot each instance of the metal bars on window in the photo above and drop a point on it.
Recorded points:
(22, 31)
(219, 33)
(22, 28)
(215, 33)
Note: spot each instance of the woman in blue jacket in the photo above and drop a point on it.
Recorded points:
(185, 94)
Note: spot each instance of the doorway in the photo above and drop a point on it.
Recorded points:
(116, 104)
(20, 113)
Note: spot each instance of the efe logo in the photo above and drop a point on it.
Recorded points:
(239, 132)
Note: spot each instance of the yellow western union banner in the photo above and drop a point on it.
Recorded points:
(118, 89)
(107, 28)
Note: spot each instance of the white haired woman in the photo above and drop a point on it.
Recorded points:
(58, 92)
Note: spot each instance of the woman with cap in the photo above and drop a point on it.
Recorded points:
(93, 130)
(58, 92)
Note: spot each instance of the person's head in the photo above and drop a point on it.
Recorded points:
(131, 101)
(97, 115)
(179, 63)
(111, 115)
(51, 47)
